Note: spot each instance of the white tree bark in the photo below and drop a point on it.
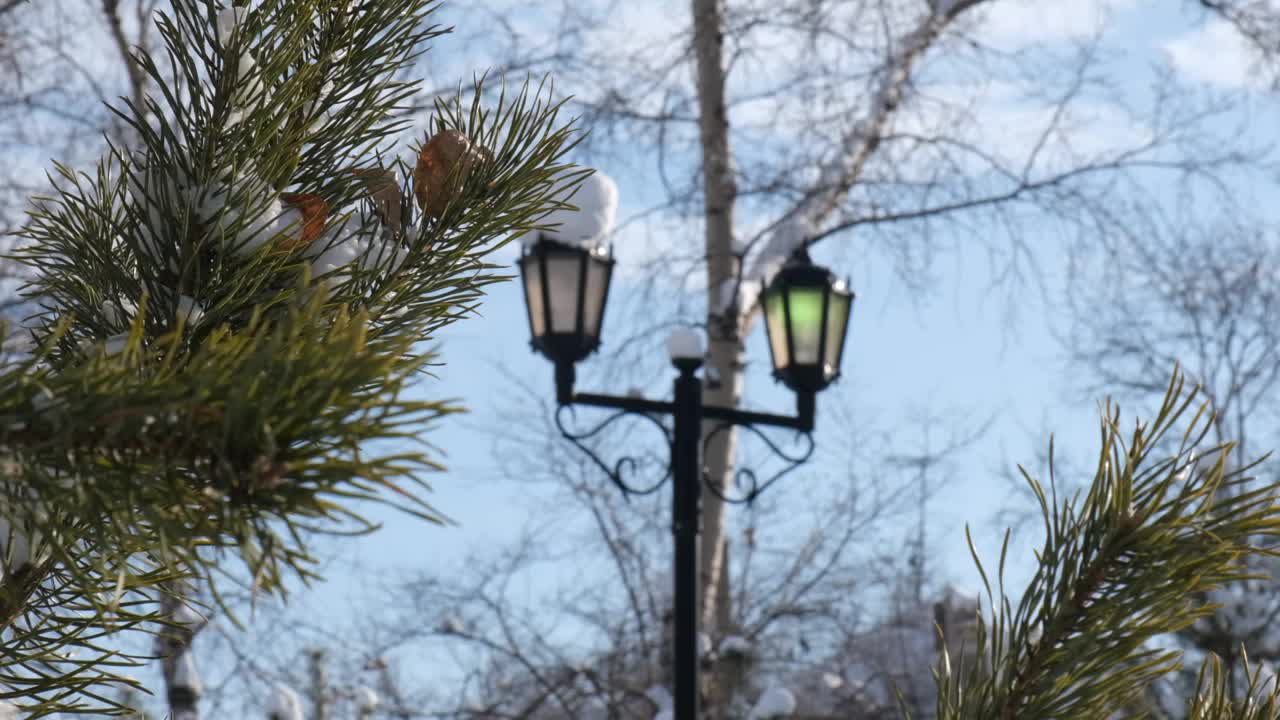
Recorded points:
(728, 316)
(319, 684)
(725, 346)
(173, 644)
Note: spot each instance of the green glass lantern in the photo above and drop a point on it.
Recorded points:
(806, 311)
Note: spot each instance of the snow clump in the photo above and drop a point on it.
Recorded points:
(735, 645)
(366, 700)
(597, 202)
(285, 704)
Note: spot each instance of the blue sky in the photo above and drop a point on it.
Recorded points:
(952, 351)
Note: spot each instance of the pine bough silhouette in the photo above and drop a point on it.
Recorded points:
(231, 309)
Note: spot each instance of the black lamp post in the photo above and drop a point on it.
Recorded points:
(806, 313)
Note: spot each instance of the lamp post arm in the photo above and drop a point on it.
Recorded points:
(802, 421)
(628, 403)
(565, 377)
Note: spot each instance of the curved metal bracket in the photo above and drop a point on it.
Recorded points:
(625, 465)
(745, 480)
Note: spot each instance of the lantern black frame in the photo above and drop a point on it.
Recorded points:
(565, 347)
(800, 272)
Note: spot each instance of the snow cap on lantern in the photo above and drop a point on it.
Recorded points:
(596, 200)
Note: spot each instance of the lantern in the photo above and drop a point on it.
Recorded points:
(565, 289)
(806, 313)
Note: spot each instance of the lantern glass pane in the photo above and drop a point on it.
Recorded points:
(806, 323)
(776, 319)
(562, 280)
(837, 319)
(533, 296)
(597, 285)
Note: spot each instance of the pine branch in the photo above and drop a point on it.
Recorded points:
(230, 315)
(1126, 564)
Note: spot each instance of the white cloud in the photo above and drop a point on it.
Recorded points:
(999, 118)
(1020, 23)
(1214, 54)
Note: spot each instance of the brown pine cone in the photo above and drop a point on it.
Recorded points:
(436, 163)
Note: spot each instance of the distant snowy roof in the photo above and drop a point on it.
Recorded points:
(1248, 610)
(901, 651)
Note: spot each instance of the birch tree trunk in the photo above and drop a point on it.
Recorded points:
(727, 320)
(319, 684)
(724, 359)
(182, 680)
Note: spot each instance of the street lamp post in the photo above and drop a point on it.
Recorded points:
(806, 315)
